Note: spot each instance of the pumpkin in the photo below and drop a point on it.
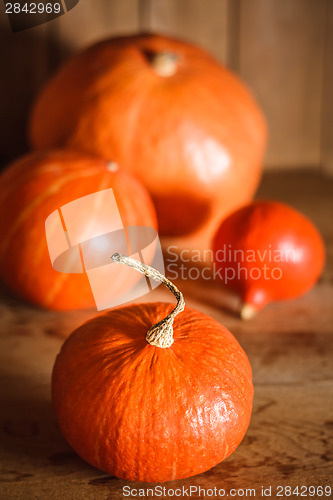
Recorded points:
(167, 112)
(154, 409)
(34, 187)
(268, 251)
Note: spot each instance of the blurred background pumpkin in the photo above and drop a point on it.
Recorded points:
(246, 39)
(170, 114)
(270, 45)
(31, 189)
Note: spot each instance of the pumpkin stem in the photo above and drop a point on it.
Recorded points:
(164, 63)
(247, 312)
(160, 334)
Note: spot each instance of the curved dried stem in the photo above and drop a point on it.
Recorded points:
(160, 334)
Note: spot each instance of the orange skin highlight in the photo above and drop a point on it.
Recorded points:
(145, 413)
(292, 239)
(30, 190)
(195, 138)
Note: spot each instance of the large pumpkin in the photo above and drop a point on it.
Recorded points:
(167, 112)
(166, 407)
(34, 187)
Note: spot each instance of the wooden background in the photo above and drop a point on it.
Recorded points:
(283, 49)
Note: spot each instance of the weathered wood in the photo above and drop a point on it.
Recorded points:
(199, 21)
(290, 347)
(90, 21)
(278, 48)
(28, 58)
(281, 57)
(24, 68)
(327, 104)
(233, 35)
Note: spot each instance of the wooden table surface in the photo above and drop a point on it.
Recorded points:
(290, 347)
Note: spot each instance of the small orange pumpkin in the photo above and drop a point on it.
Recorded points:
(167, 112)
(30, 190)
(268, 251)
(164, 408)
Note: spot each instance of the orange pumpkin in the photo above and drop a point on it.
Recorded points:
(34, 187)
(268, 251)
(164, 408)
(168, 113)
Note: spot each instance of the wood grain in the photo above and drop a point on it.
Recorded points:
(327, 104)
(200, 21)
(283, 50)
(91, 21)
(282, 57)
(290, 347)
(29, 58)
(24, 68)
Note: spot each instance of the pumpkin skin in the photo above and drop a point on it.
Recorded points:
(30, 190)
(286, 240)
(144, 413)
(195, 139)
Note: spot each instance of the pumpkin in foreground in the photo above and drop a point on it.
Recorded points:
(167, 112)
(31, 189)
(268, 251)
(164, 407)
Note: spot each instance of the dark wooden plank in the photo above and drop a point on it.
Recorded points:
(281, 57)
(91, 21)
(233, 34)
(199, 21)
(28, 58)
(327, 105)
(24, 69)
